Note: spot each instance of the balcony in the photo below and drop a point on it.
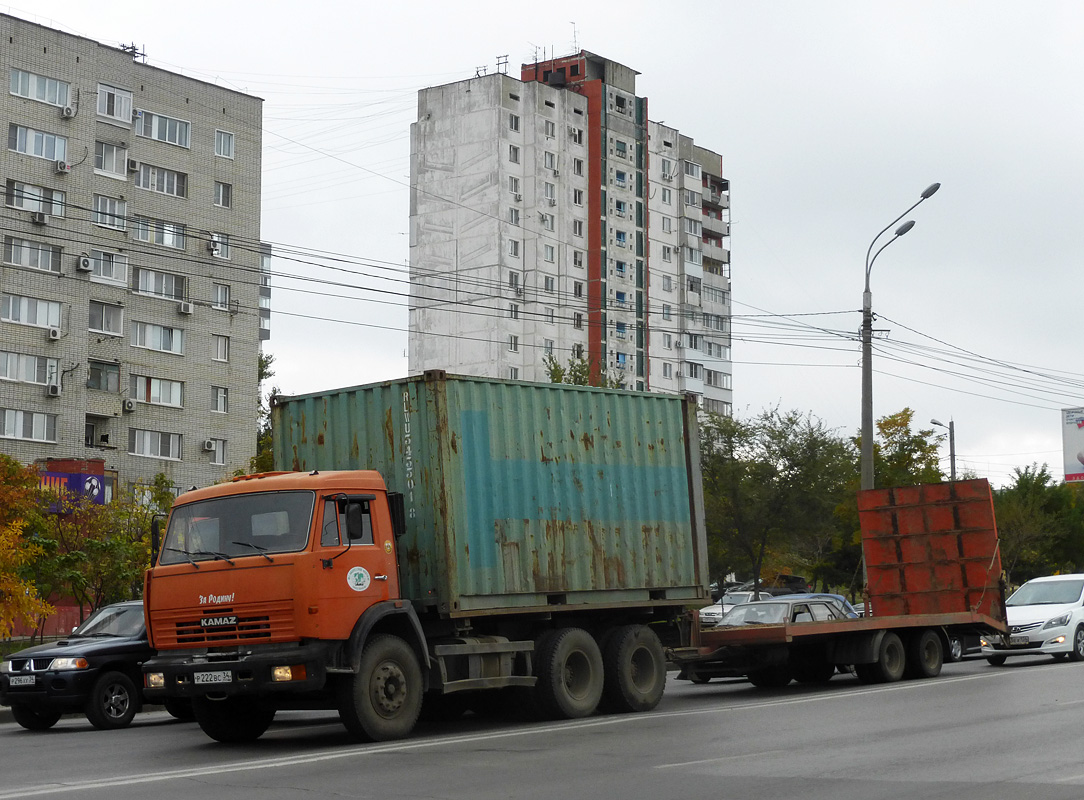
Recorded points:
(715, 252)
(717, 226)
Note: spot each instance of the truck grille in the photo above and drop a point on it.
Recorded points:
(255, 622)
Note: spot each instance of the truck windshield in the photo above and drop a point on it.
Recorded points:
(250, 525)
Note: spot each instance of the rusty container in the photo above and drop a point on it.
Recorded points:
(520, 496)
(932, 549)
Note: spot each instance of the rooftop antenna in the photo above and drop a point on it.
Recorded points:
(575, 38)
(480, 71)
(134, 51)
(502, 64)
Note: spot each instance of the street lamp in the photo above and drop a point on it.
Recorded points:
(951, 445)
(867, 337)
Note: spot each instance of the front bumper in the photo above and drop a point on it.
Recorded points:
(1039, 642)
(237, 673)
(52, 690)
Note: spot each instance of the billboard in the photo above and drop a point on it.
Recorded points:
(1072, 438)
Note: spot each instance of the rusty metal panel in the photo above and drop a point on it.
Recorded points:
(932, 549)
(519, 496)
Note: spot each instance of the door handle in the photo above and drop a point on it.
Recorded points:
(380, 577)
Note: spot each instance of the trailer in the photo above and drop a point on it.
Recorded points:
(934, 572)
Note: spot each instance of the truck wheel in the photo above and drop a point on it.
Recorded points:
(234, 719)
(634, 670)
(34, 720)
(814, 672)
(569, 673)
(890, 663)
(770, 677)
(924, 655)
(1077, 653)
(996, 661)
(384, 699)
(179, 708)
(113, 701)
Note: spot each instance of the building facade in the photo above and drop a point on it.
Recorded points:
(549, 216)
(134, 291)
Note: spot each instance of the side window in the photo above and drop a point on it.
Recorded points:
(346, 521)
(821, 611)
(801, 613)
(329, 534)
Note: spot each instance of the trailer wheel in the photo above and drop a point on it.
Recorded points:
(1078, 644)
(770, 677)
(924, 655)
(570, 673)
(233, 719)
(890, 663)
(634, 670)
(383, 700)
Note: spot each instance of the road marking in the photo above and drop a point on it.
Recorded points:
(720, 758)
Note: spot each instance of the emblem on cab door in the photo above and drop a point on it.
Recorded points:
(358, 579)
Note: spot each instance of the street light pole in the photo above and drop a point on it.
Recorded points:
(867, 337)
(951, 445)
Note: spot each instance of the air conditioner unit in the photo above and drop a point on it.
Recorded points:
(551, 200)
(519, 291)
(556, 172)
(39, 217)
(666, 176)
(67, 112)
(137, 113)
(213, 247)
(184, 307)
(678, 345)
(62, 167)
(517, 197)
(84, 264)
(133, 165)
(127, 405)
(209, 445)
(52, 390)
(54, 334)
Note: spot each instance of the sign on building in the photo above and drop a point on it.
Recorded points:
(1072, 437)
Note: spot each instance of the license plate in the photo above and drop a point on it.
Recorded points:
(1015, 640)
(222, 676)
(21, 680)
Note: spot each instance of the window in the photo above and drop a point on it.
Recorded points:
(160, 284)
(621, 359)
(621, 267)
(37, 143)
(694, 370)
(667, 196)
(513, 185)
(513, 343)
(550, 191)
(161, 180)
(577, 197)
(619, 330)
(547, 346)
(27, 425)
(576, 135)
(513, 216)
(692, 198)
(218, 455)
(513, 122)
(38, 87)
(104, 376)
(106, 318)
(28, 369)
(513, 154)
(158, 337)
(36, 255)
(547, 221)
(693, 226)
(619, 104)
(513, 248)
(621, 208)
(550, 128)
(157, 231)
(550, 315)
(620, 299)
(513, 280)
(619, 177)
(220, 347)
(549, 283)
(667, 283)
(154, 444)
(35, 198)
(224, 144)
(720, 380)
(549, 160)
(549, 253)
(219, 245)
(667, 253)
(577, 227)
(163, 128)
(667, 225)
(157, 391)
(620, 149)
(667, 167)
(693, 256)
(620, 237)
(513, 373)
(512, 96)
(692, 170)
(513, 311)
(667, 341)
(109, 212)
(223, 194)
(665, 311)
(577, 166)
(577, 258)
(220, 296)
(577, 320)
(720, 407)
(111, 159)
(29, 311)
(220, 399)
(667, 369)
(577, 351)
(115, 103)
(577, 288)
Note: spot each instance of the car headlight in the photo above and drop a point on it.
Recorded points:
(5, 666)
(1058, 622)
(69, 663)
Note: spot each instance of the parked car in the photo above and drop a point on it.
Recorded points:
(1046, 617)
(710, 615)
(96, 670)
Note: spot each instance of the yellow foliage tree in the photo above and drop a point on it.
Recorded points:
(18, 598)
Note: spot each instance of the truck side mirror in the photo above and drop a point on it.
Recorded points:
(397, 507)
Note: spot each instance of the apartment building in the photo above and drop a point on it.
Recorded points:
(549, 216)
(134, 290)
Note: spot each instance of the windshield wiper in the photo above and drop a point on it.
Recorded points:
(261, 550)
(184, 553)
(217, 556)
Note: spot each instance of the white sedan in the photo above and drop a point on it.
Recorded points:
(1046, 617)
(710, 615)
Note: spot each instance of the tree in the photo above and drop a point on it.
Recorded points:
(263, 461)
(903, 457)
(579, 372)
(19, 598)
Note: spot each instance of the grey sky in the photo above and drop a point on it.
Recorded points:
(832, 117)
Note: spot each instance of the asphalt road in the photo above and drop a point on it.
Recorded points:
(975, 732)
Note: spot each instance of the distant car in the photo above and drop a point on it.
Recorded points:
(1046, 617)
(788, 608)
(838, 600)
(710, 615)
(95, 670)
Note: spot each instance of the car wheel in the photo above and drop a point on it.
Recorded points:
(1078, 644)
(955, 649)
(113, 701)
(996, 661)
(34, 720)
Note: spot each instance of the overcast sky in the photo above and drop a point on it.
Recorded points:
(832, 117)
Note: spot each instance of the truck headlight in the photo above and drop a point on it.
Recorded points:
(155, 680)
(1058, 622)
(292, 673)
(69, 663)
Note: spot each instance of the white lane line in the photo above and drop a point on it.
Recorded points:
(720, 758)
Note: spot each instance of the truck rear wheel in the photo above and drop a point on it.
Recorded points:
(925, 655)
(233, 719)
(889, 665)
(634, 669)
(770, 677)
(813, 671)
(384, 699)
(569, 673)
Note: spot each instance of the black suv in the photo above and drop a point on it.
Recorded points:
(96, 671)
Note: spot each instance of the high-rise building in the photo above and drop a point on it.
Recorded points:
(134, 289)
(549, 216)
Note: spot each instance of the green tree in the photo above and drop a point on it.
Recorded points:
(263, 461)
(579, 372)
(904, 457)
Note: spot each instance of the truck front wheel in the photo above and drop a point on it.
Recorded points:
(634, 668)
(233, 719)
(383, 700)
(569, 673)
